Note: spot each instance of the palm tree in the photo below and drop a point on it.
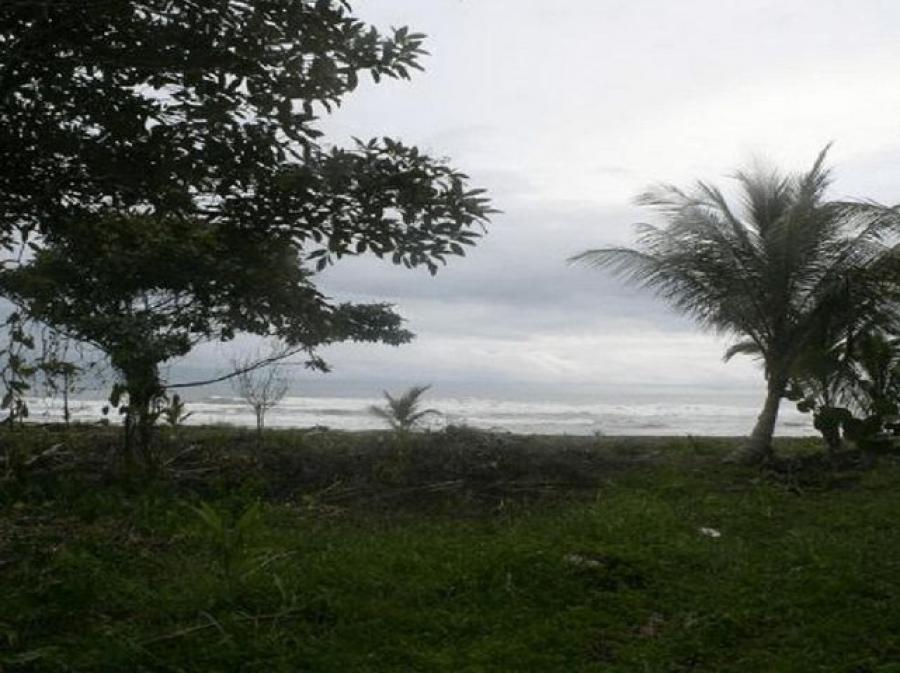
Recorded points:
(403, 413)
(786, 268)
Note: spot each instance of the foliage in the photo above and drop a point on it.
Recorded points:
(143, 291)
(205, 114)
(39, 355)
(821, 383)
(789, 268)
(167, 177)
(403, 413)
(175, 413)
(66, 368)
(16, 370)
(854, 389)
(230, 540)
(100, 579)
(208, 110)
(877, 359)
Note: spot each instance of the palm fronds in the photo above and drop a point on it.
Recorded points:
(403, 413)
(786, 272)
(772, 273)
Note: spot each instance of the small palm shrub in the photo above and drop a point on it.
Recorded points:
(853, 391)
(175, 413)
(229, 539)
(403, 413)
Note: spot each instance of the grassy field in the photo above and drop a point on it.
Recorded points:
(456, 552)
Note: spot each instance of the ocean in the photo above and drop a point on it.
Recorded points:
(669, 415)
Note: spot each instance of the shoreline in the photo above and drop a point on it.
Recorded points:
(83, 426)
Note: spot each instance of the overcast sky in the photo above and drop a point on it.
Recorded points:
(565, 111)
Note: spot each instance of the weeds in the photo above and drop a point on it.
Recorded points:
(175, 413)
(403, 413)
(598, 560)
(230, 540)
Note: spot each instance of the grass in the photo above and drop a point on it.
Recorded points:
(477, 553)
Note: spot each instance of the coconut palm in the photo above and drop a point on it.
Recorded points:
(778, 273)
(403, 413)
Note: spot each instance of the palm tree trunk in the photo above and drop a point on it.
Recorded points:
(758, 448)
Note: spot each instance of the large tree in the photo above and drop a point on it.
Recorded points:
(147, 289)
(207, 111)
(178, 107)
(779, 273)
(164, 173)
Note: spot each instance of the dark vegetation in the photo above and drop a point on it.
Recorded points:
(800, 280)
(164, 183)
(404, 412)
(325, 551)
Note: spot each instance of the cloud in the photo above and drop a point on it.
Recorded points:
(522, 259)
(565, 112)
(629, 357)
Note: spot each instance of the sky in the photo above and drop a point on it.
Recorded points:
(566, 111)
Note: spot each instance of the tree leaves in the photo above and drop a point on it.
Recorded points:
(164, 153)
(198, 97)
(791, 275)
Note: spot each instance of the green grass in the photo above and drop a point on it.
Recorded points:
(614, 577)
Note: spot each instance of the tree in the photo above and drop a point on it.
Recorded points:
(163, 168)
(144, 290)
(788, 268)
(403, 413)
(63, 365)
(260, 387)
(195, 109)
(206, 112)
